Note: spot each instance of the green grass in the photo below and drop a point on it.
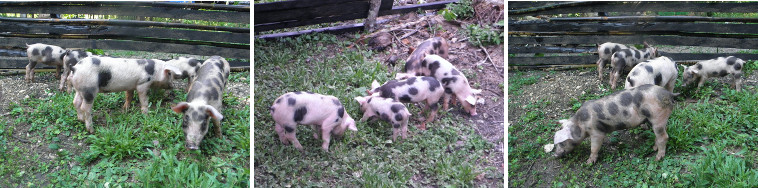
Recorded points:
(711, 144)
(517, 81)
(122, 151)
(439, 156)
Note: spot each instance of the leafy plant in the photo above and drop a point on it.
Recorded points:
(484, 36)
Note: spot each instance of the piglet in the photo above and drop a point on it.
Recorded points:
(436, 45)
(453, 81)
(660, 71)
(605, 51)
(622, 110)
(204, 102)
(415, 89)
(45, 54)
(94, 75)
(718, 67)
(325, 114)
(388, 110)
(70, 59)
(189, 67)
(624, 60)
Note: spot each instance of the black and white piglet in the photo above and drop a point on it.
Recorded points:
(94, 75)
(325, 114)
(45, 54)
(605, 52)
(189, 67)
(453, 81)
(415, 89)
(436, 45)
(622, 110)
(718, 67)
(388, 110)
(70, 59)
(624, 60)
(660, 71)
(204, 102)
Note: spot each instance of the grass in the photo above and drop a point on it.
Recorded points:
(128, 149)
(448, 153)
(711, 144)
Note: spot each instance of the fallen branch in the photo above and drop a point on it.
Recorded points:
(401, 26)
(488, 57)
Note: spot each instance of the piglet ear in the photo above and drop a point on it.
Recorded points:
(471, 100)
(170, 69)
(181, 107)
(360, 99)
(695, 71)
(213, 112)
(374, 85)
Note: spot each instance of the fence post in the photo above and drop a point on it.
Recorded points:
(372, 13)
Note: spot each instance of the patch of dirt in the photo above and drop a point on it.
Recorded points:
(560, 88)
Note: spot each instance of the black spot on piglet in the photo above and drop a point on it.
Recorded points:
(291, 101)
(300, 114)
(398, 117)
(103, 77)
(396, 107)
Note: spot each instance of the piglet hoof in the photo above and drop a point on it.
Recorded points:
(591, 160)
(659, 157)
(91, 130)
(421, 126)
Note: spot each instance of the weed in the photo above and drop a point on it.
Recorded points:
(461, 10)
(484, 36)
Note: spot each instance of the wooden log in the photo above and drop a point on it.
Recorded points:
(131, 45)
(644, 6)
(551, 49)
(749, 43)
(125, 23)
(132, 10)
(634, 27)
(127, 31)
(333, 30)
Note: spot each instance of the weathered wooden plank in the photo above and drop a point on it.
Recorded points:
(748, 43)
(512, 5)
(551, 49)
(131, 45)
(161, 12)
(655, 19)
(32, 28)
(333, 30)
(295, 4)
(125, 23)
(644, 6)
(238, 8)
(327, 10)
(591, 59)
(412, 8)
(635, 27)
(554, 60)
(295, 23)
(20, 63)
(260, 27)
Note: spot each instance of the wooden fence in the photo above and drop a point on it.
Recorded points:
(549, 29)
(286, 14)
(129, 31)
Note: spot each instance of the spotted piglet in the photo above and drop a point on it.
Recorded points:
(718, 67)
(453, 81)
(45, 54)
(189, 67)
(70, 59)
(94, 75)
(622, 110)
(605, 51)
(415, 89)
(325, 114)
(204, 102)
(624, 60)
(436, 45)
(660, 71)
(388, 110)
